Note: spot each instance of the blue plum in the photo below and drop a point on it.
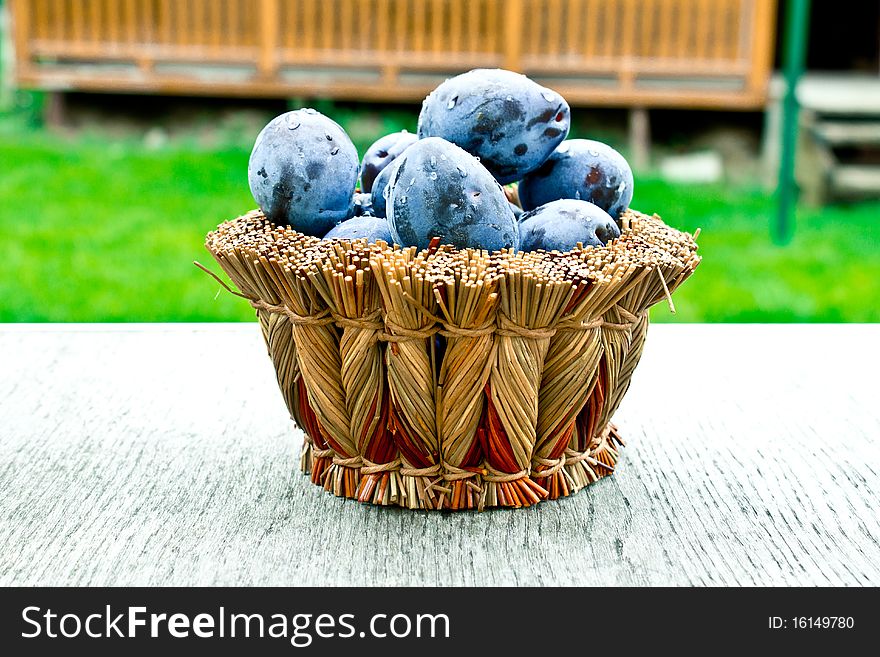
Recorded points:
(439, 190)
(560, 225)
(517, 211)
(382, 153)
(510, 122)
(581, 169)
(303, 171)
(379, 186)
(371, 228)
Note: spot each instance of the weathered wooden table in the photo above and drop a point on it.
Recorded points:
(162, 454)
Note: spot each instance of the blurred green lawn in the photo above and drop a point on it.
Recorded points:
(101, 230)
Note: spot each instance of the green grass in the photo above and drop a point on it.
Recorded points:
(100, 230)
(830, 272)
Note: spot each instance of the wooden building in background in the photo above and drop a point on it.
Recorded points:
(629, 53)
(636, 54)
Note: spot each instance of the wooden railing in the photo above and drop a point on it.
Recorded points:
(698, 53)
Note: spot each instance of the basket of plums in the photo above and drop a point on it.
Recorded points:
(453, 320)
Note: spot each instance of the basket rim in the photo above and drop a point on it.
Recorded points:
(645, 241)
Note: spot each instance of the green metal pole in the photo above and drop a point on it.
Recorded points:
(797, 18)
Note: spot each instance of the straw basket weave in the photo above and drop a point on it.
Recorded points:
(453, 379)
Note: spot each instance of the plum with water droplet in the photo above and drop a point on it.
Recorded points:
(368, 227)
(382, 153)
(439, 190)
(507, 120)
(303, 171)
(581, 169)
(560, 225)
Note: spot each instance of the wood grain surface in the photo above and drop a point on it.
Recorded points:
(162, 455)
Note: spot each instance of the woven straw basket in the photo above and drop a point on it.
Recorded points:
(453, 379)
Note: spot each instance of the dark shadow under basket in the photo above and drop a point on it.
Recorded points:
(453, 379)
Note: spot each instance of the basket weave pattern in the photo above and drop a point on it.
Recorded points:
(448, 379)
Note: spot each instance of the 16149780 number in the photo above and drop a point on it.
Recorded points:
(811, 623)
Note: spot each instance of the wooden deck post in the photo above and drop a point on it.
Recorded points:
(814, 164)
(639, 138)
(55, 109)
(763, 42)
(514, 15)
(21, 30)
(269, 33)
